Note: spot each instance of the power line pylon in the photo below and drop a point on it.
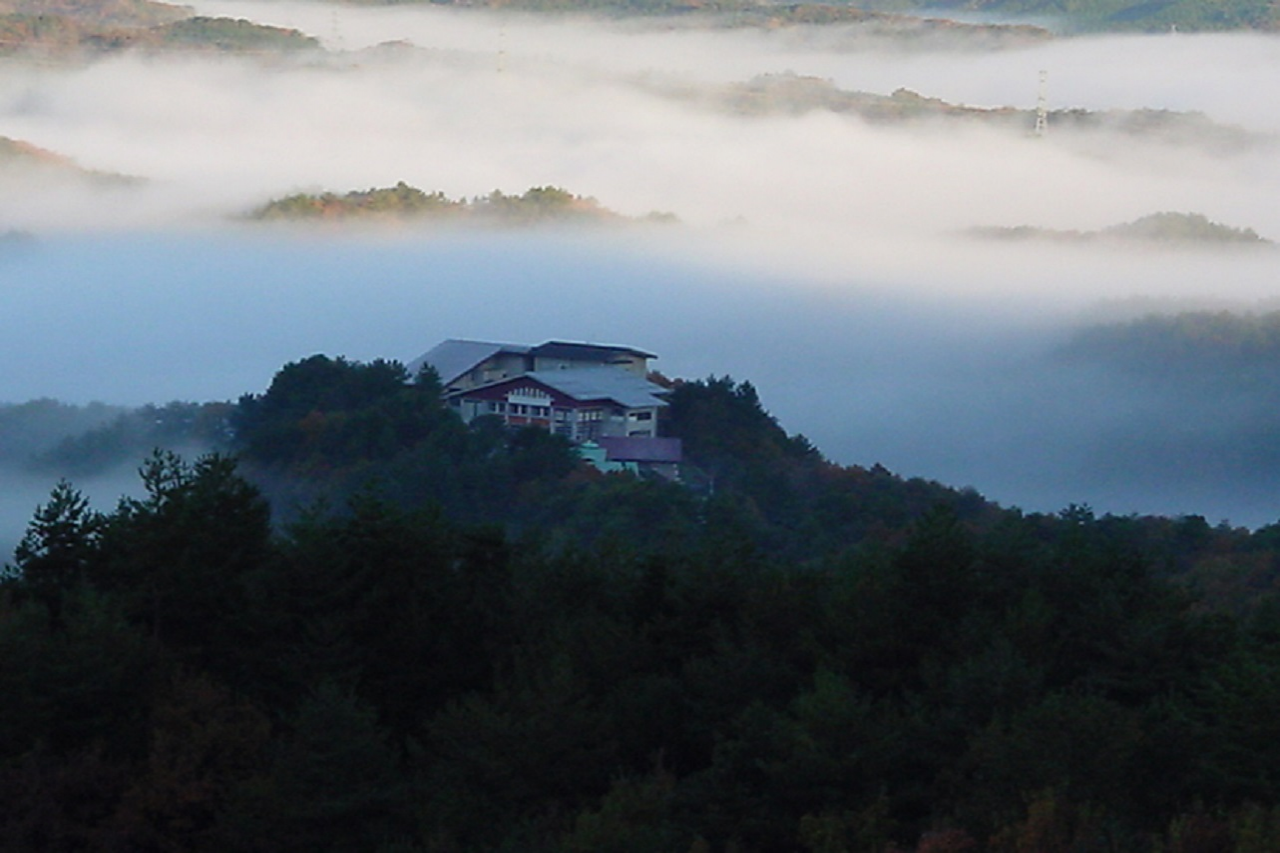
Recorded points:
(1042, 101)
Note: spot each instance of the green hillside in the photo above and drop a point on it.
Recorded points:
(74, 29)
(404, 203)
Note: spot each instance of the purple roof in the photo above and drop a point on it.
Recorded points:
(641, 449)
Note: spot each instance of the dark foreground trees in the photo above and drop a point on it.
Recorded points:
(809, 658)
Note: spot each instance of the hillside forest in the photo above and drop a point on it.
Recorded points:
(363, 625)
(61, 27)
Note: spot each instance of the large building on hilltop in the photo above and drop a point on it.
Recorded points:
(588, 393)
(462, 365)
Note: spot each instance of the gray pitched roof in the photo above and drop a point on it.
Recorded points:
(453, 357)
(603, 383)
(602, 353)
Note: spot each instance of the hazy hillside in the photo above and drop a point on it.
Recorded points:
(1169, 230)
(98, 13)
(794, 94)
(403, 203)
(1069, 15)
(1094, 15)
(19, 159)
(48, 28)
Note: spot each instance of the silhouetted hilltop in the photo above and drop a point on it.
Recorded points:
(98, 13)
(18, 157)
(403, 203)
(793, 94)
(70, 29)
(1116, 15)
(1164, 229)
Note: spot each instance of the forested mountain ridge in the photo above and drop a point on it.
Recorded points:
(478, 644)
(59, 26)
(66, 28)
(21, 157)
(1119, 15)
(789, 93)
(1222, 342)
(1166, 229)
(404, 203)
(899, 17)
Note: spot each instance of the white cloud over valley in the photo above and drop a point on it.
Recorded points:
(817, 254)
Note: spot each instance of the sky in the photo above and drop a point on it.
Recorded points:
(816, 255)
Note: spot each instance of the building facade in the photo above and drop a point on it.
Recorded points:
(582, 405)
(597, 396)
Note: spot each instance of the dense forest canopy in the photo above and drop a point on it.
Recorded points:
(382, 630)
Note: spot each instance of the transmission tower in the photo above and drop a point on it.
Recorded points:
(1042, 101)
(335, 30)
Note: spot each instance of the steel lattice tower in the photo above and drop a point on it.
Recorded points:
(1042, 100)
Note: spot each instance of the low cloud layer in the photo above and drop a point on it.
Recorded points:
(817, 255)
(477, 101)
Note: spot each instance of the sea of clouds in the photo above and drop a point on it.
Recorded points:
(816, 254)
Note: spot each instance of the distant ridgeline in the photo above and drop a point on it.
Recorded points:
(1201, 393)
(536, 205)
(1171, 229)
(66, 26)
(1224, 346)
(17, 155)
(757, 13)
(1104, 15)
(58, 26)
(54, 27)
(15, 151)
(787, 93)
(1078, 15)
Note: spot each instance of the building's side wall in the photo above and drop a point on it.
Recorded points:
(503, 365)
(622, 360)
(632, 363)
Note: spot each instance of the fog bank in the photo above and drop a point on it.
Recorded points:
(958, 387)
(817, 254)
(473, 101)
